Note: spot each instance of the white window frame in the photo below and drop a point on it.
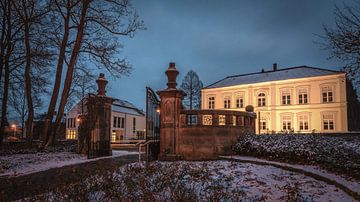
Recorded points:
(211, 102)
(327, 121)
(239, 101)
(302, 92)
(302, 120)
(261, 99)
(286, 97)
(329, 91)
(227, 102)
(287, 121)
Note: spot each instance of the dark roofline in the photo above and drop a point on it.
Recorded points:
(269, 71)
(134, 108)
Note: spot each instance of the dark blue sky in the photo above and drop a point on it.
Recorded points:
(221, 38)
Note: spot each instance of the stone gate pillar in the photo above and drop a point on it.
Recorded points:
(170, 107)
(95, 124)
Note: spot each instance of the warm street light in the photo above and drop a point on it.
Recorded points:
(14, 127)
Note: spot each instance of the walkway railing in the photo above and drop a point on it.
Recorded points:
(221, 118)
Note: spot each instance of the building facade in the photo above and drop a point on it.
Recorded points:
(127, 121)
(297, 99)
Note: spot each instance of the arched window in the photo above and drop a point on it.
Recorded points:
(261, 100)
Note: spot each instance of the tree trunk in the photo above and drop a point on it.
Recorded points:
(7, 75)
(70, 72)
(2, 44)
(51, 110)
(28, 88)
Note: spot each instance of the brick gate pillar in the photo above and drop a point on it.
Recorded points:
(170, 107)
(95, 124)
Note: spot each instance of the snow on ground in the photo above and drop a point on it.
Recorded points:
(22, 164)
(352, 184)
(219, 180)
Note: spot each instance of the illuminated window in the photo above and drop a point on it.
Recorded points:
(71, 134)
(327, 94)
(211, 103)
(285, 97)
(286, 122)
(207, 120)
(234, 120)
(222, 120)
(261, 100)
(303, 122)
(328, 122)
(303, 96)
(227, 103)
(113, 136)
(239, 102)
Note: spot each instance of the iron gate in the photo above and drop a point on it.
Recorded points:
(152, 124)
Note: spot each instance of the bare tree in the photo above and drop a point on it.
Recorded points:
(192, 86)
(31, 14)
(9, 31)
(94, 30)
(343, 40)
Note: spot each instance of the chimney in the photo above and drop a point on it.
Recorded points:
(172, 73)
(262, 70)
(101, 82)
(274, 67)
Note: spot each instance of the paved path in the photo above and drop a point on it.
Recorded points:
(350, 187)
(15, 188)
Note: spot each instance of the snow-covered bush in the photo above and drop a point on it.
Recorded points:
(339, 153)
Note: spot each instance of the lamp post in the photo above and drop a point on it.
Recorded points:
(14, 127)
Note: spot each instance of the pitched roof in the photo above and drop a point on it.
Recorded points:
(126, 107)
(280, 74)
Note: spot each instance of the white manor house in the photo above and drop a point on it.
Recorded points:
(127, 121)
(299, 99)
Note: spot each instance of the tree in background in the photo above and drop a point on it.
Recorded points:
(91, 31)
(343, 40)
(192, 85)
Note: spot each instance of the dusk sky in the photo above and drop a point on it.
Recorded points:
(222, 38)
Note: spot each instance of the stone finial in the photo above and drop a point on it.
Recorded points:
(101, 82)
(171, 73)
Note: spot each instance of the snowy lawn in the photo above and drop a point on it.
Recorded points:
(340, 154)
(198, 181)
(22, 164)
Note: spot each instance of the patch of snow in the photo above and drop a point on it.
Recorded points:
(352, 184)
(23, 164)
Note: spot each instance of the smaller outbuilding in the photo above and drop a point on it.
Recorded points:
(127, 121)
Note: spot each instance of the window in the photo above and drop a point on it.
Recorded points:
(71, 134)
(327, 94)
(118, 122)
(227, 103)
(285, 97)
(211, 103)
(71, 123)
(134, 125)
(262, 124)
(192, 119)
(328, 122)
(286, 122)
(207, 120)
(261, 100)
(303, 122)
(222, 120)
(303, 96)
(239, 102)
